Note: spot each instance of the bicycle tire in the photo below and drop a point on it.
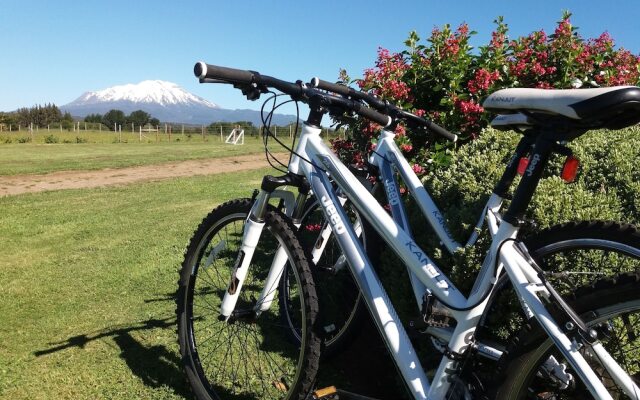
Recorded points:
(610, 248)
(249, 358)
(607, 304)
(341, 305)
(573, 254)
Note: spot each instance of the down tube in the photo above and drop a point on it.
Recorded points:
(381, 309)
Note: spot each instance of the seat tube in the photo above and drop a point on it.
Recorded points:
(538, 159)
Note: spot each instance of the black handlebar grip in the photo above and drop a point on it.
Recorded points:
(332, 87)
(441, 131)
(347, 91)
(427, 124)
(207, 71)
(373, 115)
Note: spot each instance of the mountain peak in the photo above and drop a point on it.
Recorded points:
(163, 100)
(158, 92)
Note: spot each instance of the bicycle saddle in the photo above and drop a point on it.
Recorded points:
(613, 107)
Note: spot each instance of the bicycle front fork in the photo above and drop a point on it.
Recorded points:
(251, 236)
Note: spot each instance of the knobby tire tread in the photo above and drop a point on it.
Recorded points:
(282, 226)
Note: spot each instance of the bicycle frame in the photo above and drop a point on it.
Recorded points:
(525, 279)
(388, 157)
(503, 254)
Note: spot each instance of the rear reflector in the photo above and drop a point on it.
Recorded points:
(570, 169)
(522, 165)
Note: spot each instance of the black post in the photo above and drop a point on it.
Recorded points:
(537, 162)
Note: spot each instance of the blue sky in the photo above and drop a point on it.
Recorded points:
(52, 52)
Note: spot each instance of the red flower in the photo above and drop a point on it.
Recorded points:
(406, 147)
(313, 227)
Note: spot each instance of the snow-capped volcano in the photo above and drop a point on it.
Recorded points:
(160, 92)
(163, 100)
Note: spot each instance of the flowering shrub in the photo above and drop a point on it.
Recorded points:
(445, 81)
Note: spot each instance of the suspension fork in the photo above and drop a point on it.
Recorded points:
(250, 238)
(279, 262)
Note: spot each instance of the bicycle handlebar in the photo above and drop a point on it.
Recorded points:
(216, 74)
(207, 71)
(383, 106)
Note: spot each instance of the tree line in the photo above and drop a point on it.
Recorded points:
(42, 116)
(116, 118)
(38, 115)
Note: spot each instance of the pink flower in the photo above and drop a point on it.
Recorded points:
(482, 80)
(417, 168)
(313, 227)
(406, 148)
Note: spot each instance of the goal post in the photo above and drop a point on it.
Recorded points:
(236, 136)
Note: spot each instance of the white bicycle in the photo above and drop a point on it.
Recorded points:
(582, 364)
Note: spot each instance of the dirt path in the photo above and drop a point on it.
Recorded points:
(18, 184)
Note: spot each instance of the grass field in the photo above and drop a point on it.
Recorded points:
(88, 278)
(100, 151)
(43, 135)
(30, 158)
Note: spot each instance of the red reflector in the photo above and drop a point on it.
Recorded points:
(522, 165)
(570, 169)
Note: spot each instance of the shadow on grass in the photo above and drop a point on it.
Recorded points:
(156, 366)
(164, 297)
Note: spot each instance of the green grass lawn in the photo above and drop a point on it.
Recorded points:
(30, 158)
(88, 277)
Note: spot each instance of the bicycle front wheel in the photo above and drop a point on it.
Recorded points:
(249, 356)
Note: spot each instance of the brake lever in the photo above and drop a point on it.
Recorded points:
(251, 91)
(210, 80)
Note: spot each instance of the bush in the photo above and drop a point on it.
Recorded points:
(81, 139)
(447, 80)
(50, 139)
(24, 139)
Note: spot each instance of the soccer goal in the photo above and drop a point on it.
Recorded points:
(236, 136)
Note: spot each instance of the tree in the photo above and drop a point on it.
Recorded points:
(67, 121)
(154, 121)
(139, 118)
(114, 118)
(94, 118)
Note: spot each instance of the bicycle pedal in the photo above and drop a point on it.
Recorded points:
(328, 393)
(332, 393)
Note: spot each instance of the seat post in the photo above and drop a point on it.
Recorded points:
(538, 159)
